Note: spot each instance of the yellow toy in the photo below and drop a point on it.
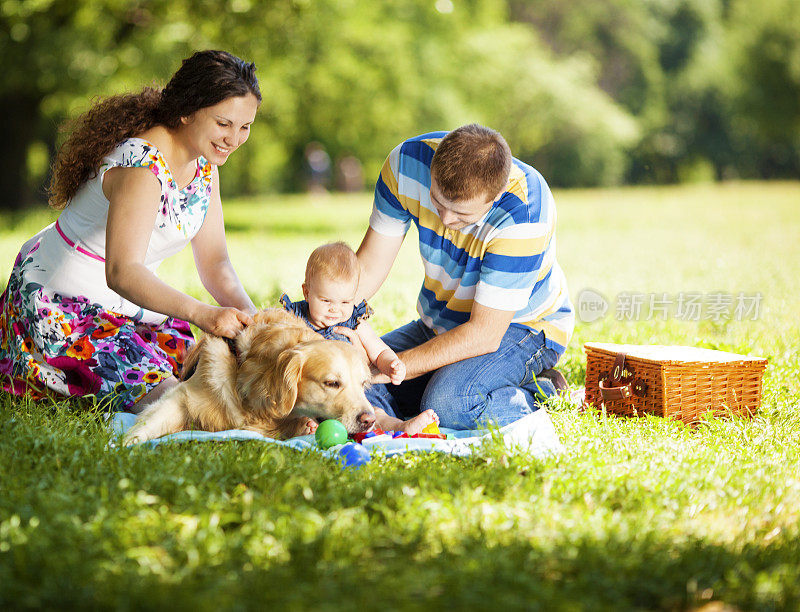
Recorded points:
(431, 428)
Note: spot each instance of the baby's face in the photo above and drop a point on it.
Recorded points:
(329, 301)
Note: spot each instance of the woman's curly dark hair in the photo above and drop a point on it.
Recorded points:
(204, 79)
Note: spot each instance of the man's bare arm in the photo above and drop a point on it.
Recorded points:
(376, 256)
(478, 336)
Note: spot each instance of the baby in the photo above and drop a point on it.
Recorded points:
(330, 286)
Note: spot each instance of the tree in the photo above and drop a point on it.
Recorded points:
(764, 45)
(57, 53)
(590, 91)
(550, 110)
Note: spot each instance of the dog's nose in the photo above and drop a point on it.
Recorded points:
(366, 420)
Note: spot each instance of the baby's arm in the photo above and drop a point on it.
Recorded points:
(384, 358)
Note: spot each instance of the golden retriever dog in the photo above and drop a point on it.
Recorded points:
(276, 377)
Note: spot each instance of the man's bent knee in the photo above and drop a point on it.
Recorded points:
(498, 406)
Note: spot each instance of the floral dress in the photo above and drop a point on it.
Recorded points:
(63, 331)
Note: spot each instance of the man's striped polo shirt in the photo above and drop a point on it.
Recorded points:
(506, 260)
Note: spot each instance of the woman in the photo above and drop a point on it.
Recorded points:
(84, 312)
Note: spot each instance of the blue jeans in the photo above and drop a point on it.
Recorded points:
(499, 387)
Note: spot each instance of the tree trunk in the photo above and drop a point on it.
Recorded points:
(20, 116)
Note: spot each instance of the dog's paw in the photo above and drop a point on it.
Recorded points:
(131, 438)
(309, 427)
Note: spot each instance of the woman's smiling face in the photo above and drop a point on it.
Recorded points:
(217, 131)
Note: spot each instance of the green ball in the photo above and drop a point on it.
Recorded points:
(330, 433)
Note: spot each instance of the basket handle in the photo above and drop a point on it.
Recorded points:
(615, 390)
(615, 393)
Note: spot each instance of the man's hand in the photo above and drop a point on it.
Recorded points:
(352, 335)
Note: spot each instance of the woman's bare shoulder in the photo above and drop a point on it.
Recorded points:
(133, 181)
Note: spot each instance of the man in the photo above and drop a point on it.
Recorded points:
(494, 308)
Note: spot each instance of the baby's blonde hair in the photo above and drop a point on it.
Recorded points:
(335, 260)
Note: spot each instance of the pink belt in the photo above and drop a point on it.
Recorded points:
(76, 247)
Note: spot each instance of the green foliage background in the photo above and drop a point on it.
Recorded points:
(592, 92)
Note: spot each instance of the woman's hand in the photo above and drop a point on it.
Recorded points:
(223, 321)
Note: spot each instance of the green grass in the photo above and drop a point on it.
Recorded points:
(637, 514)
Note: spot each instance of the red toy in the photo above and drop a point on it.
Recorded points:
(360, 437)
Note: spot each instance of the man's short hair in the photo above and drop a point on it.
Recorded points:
(471, 161)
(335, 261)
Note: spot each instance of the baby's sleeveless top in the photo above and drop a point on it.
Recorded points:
(300, 309)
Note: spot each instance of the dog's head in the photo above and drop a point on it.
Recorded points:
(325, 379)
(318, 378)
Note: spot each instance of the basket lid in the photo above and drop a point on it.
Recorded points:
(656, 352)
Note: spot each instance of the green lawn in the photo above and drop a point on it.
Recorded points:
(637, 514)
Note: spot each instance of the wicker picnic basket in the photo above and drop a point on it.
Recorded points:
(680, 382)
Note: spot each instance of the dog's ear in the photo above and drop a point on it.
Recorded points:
(288, 371)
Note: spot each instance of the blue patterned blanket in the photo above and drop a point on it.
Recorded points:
(533, 433)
